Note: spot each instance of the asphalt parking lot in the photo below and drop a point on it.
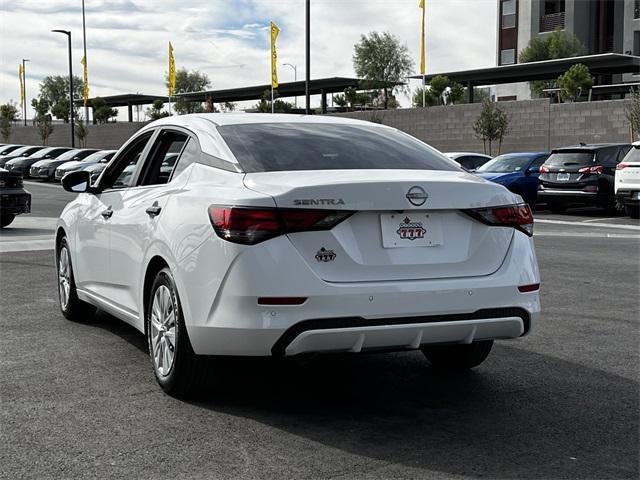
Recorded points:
(80, 401)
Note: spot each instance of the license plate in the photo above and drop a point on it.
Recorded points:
(563, 177)
(411, 230)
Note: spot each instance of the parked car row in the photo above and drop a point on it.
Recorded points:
(51, 163)
(600, 175)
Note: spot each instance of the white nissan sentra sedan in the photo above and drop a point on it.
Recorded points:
(279, 235)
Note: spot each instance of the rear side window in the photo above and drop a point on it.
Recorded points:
(607, 156)
(272, 147)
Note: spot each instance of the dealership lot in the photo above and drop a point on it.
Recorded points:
(80, 399)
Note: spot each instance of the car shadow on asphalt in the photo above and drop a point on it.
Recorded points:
(520, 415)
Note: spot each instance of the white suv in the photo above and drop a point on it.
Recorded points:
(627, 182)
(279, 235)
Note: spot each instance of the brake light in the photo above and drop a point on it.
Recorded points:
(622, 166)
(248, 226)
(517, 216)
(598, 169)
(544, 169)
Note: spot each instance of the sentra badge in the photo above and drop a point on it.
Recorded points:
(325, 255)
(410, 230)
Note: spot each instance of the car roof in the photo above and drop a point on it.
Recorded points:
(454, 155)
(242, 118)
(525, 154)
(590, 146)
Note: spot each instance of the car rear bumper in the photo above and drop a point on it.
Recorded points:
(351, 316)
(15, 201)
(628, 197)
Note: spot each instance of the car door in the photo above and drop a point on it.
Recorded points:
(93, 258)
(530, 179)
(136, 217)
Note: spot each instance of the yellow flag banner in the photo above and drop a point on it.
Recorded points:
(20, 75)
(274, 56)
(172, 71)
(422, 51)
(85, 84)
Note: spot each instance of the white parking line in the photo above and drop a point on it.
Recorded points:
(26, 245)
(588, 235)
(42, 184)
(582, 224)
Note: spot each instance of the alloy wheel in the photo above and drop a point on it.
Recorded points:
(64, 277)
(163, 330)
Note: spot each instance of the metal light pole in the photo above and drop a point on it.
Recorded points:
(24, 87)
(71, 119)
(307, 55)
(295, 76)
(86, 64)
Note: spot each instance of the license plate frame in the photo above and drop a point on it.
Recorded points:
(411, 230)
(563, 177)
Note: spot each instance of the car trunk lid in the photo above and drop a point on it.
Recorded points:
(407, 225)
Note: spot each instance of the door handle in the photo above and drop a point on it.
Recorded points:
(107, 213)
(153, 210)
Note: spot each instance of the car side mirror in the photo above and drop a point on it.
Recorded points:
(77, 182)
(531, 170)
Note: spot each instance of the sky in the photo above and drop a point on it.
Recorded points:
(228, 39)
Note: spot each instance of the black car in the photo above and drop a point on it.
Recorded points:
(581, 175)
(14, 199)
(19, 152)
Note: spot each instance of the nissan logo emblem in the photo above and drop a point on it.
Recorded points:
(417, 196)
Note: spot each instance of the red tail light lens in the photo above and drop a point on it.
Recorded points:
(529, 288)
(544, 169)
(622, 166)
(516, 216)
(598, 169)
(249, 226)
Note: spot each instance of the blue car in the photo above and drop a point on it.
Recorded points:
(518, 172)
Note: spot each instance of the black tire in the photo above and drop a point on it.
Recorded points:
(74, 308)
(459, 356)
(556, 208)
(632, 211)
(187, 372)
(6, 219)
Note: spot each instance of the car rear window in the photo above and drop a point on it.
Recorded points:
(571, 158)
(272, 147)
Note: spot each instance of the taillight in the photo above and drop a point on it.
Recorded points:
(248, 226)
(622, 165)
(517, 216)
(598, 169)
(544, 169)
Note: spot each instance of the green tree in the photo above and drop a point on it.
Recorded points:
(279, 106)
(632, 111)
(559, 44)
(380, 57)
(102, 113)
(54, 89)
(82, 132)
(574, 82)
(8, 115)
(156, 111)
(340, 100)
(42, 118)
(355, 98)
(491, 125)
(188, 81)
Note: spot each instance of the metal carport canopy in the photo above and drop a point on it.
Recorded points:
(606, 63)
(125, 100)
(321, 86)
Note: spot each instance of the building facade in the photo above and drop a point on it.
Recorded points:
(603, 26)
